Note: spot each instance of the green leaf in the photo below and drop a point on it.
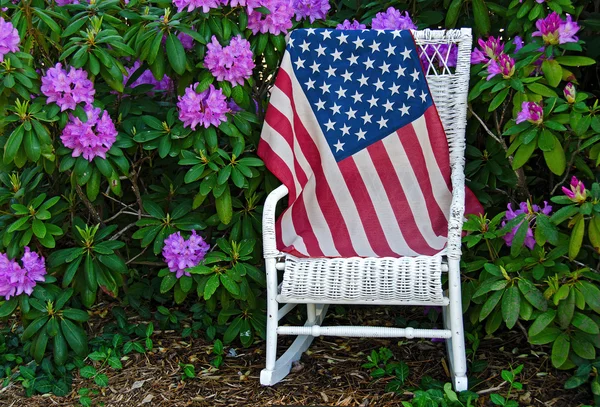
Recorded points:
(224, 206)
(233, 330)
(482, 16)
(176, 54)
(552, 71)
(591, 294)
(555, 159)
(490, 285)
(523, 154)
(168, 282)
(575, 60)
(39, 229)
(76, 314)
(211, 286)
(101, 380)
(560, 350)
(511, 304)
(576, 237)
(8, 307)
(585, 323)
(565, 309)
(490, 304)
(230, 285)
(532, 294)
(75, 336)
(153, 209)
(33, 328)
(498, 99)
(12, 144)
(47, 20)
(541, 322)
(87, 372)
(546, 140)
(114, 263)
(16, 225)
(541, 90)
(453, 13)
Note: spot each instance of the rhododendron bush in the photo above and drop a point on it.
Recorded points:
(129, 173)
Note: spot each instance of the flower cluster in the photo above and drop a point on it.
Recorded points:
(489, 50)
(233, 63)
(147, 78)
(577, 193)
(206, 108)
(16, 278)
(92, 138)
(278, 21)
(504, 66)
(9, 38)
(312, 9)
(350, 25)
(392, 19)
(67, 89)
(554, 30)
(531, 112)
(191, 5)
(531, 211)
(180, 253)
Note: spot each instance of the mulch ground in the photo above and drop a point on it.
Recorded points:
(329, 375)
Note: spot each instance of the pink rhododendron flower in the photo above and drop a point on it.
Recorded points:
(531, 211)
(504, 66)
(350, 25)
(279, 21)
(191, 5)
(92, 138)
(554, 30)
(489, 50)
(180, 253)
(67, 89)
(233, 63)
(577, 193)
(312, 9)
(206, 108)
(570, 92)
(392, 19)
(532, 112)
(9, 38)
(16, 279)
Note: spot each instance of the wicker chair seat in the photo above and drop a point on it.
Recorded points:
(384, 280)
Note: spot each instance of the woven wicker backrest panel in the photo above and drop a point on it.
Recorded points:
(446, 57)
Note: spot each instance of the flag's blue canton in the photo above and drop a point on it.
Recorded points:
(362, 85)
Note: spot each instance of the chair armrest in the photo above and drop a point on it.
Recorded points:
(457, 212)
(269, 241)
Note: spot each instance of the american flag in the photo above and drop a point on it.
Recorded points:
(353, 133)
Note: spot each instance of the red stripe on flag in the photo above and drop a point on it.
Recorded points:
(280, 123)
(441, 151)
(299, 216)
(325, 198)
(397, 197)
(366, 210)
(414, 152)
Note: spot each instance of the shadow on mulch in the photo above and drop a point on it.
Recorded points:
(329, 375)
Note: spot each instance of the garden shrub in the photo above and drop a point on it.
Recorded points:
(129, 173)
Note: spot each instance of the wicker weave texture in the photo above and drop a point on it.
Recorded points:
(407, 280)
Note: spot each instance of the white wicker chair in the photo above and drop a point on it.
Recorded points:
(380, 281)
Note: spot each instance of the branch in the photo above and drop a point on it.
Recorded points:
(521, 179)
(93, 212)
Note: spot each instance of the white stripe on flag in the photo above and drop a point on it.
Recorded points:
(381, 202)
(442, 194)
(414, 195)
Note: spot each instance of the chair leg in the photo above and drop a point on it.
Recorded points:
(453, 320)
(282, 366)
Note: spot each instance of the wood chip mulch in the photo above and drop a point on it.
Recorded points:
(330, 374)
